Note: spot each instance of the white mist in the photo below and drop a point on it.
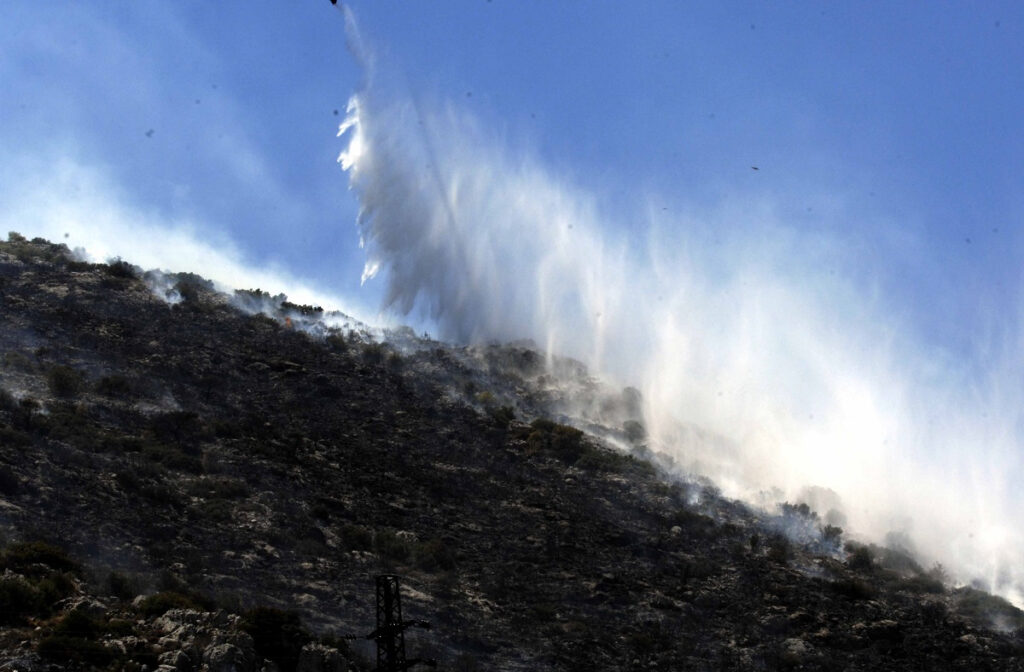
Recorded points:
(763, 363)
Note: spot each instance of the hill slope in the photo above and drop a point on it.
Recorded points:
(236, 460)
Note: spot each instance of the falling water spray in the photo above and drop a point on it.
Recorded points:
(761, 367)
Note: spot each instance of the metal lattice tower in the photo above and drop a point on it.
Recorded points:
(390, 632)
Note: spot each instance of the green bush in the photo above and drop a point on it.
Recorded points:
(861, 558)
(18, 600)
(502, 416)
(336, 341)
(563, 440)
(114, 386)
(12, 437)
(78, 624)
(987, 608)
(853, 589)
(10, 484)
(117, 268)
(121, 586)
(357, 537)
(180, 427)
(923, 583)
(160, 603)
(435, 554)
(24, 558)
(278, 635)
(302, 309)
(391, 546)
(219, 487)
(373, 353)
(32, 596)
(55, 588)
(64, 381)
(779, 548)
(634, 431)
(831, 534)
(62, 648)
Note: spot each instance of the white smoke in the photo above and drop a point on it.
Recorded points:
(71, 202)
(763, 362)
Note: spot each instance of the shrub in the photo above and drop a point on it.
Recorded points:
(78, 624)
(987, 608)
(373, 353)
(390, 545)
(55, 588)
(14, 437)
(277, 634)
(800, 510)
(861, 558)
(220, 487)
(303, 309)
(899, 561)
(160, 603)
(779, 548)
(18, 600)
(565, 441)
(831, 534)
(24, 557)
(162, 494)
(435, 554)
(923, 583)
(121, 586)
(357, 538)
(7, 400)
(118, 268)
(603, 460)
(62, 648)
(502, 416)
(64, 381)
(10, 484)
(853, 589)
(174, 458)
(113, 386)
(634, 431)
(180, 427)
(191, 286)
(336, 341)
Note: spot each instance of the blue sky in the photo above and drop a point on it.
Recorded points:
(815, 209)
(898, 127)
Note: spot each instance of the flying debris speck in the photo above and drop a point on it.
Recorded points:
(149, 133)
(754, 168)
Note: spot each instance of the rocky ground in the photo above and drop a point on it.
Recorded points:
(187, 484)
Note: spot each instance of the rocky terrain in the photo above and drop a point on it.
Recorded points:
(186, 484)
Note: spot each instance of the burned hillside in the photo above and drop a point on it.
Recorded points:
(195, 463)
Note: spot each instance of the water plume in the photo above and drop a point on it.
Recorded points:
(764, 362)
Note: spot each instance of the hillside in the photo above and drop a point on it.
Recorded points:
(163, 446)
